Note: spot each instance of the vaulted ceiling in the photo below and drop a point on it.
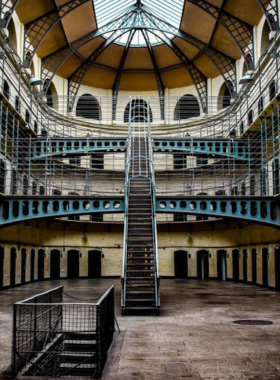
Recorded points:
(203, 43)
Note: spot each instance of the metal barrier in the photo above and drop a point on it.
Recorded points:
(55, 339)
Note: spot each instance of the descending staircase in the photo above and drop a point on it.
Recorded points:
(140, 275)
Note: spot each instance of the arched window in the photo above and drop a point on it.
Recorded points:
(260, 105)
(6, 89)
(243, 188)
(51, 94)
(186, 108)
(225, 95)
(88, 107)
(12, 34)
(36, 127)
(139, 111)
(263, 177)
(250, 117)
(265, 38)
(25, 185)
(272, 90)
(41, 190)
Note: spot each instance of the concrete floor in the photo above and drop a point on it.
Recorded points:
(194, 338)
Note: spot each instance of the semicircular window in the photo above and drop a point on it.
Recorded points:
(88, 107)
(137, 111)
(186, 108)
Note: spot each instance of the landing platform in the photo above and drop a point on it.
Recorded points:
(194, 338)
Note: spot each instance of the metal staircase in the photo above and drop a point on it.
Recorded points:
(140, 280)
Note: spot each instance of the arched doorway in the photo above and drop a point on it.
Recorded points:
(55, 264)
(88, 107)
(51, 94)
(265, 267)
(235, 265)
(23, 266)
(1, 268)
(73, 264)
(181, 264)
(245, 266)
(222, 264)
(254, 266)
(203, 265)
(41, 264)
(94, 264)
(277, 268)
(186, 107)
(32, 265)
(13, 258)
(139, 111)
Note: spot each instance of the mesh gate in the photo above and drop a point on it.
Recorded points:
(55, 339)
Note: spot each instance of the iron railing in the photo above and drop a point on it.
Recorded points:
(52, 338)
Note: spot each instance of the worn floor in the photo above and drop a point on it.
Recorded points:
(194, 338)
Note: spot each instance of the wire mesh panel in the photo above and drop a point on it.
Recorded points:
(56, 339)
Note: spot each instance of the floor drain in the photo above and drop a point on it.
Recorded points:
(253, 322)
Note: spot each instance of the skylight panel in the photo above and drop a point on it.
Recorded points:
(169, 11)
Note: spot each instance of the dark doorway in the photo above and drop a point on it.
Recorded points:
(265, 267)
(41, 264)
(55, 264)
(222, 265)
(94, 264)
(13, 259)
(23, 266)
(254, 266)
(73, 264)
(235, 265)
(277, 268)
(245, 254)
(203, 265)
(1, 268)
(32, 266)
(181, 264)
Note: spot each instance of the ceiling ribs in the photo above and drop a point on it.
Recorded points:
(36, 31)
(116, 86)
(76, 79)
(160, 84)
(241, 32)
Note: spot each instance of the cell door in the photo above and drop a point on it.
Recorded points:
(222, 265)
(245, 254)
(265, 267)
(181, 264)
(13, 259)
(32, 265)
(1, 268)
(94, 264)
(73, 264)
(203, 265)
(41, 264)
(254, 266)
(277, 268)
(235, 265)
(23, 266)
(55, 264)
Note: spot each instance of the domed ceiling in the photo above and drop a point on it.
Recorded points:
(139, 45)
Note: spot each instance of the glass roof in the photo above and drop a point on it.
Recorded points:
(169, 11)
